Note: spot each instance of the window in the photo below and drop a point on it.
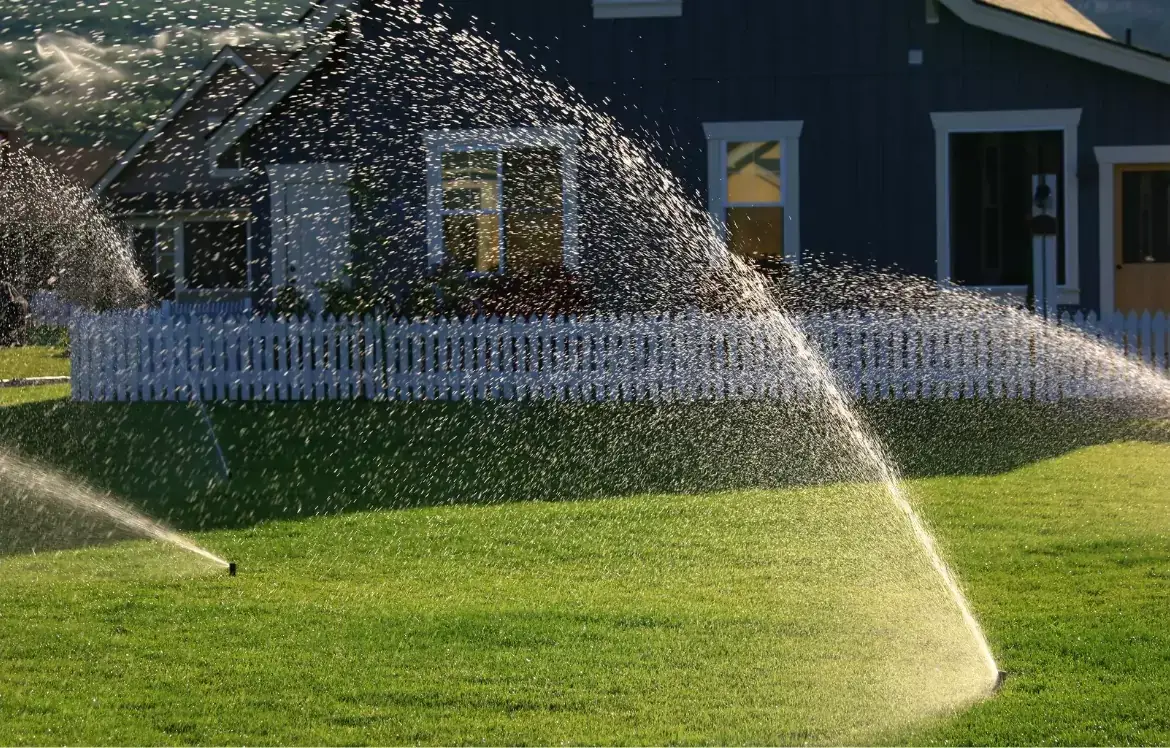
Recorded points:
(637, 8)
(215, 255)
(984, 162)
(154, 249)
(753, 188)
(991, 204)
(502, 201)
(1145, 216)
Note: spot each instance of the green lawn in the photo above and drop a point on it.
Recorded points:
(404, 578)
(33, 361)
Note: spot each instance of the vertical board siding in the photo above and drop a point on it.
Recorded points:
(693, 356)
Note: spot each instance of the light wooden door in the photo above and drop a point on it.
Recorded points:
(1141, 242)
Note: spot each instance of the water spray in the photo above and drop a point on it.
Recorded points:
(198, 402)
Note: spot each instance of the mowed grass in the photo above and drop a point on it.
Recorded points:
(1067, 563)
(631, 614)
(33, 361)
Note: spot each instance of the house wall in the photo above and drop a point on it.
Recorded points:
(867, 149)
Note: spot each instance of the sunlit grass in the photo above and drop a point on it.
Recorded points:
(33, 361)
(726, 616)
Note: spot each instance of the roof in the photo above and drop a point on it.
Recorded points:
(226, 56)
(1057, 25)
(1056, 12)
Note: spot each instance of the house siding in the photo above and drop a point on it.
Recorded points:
(867, 177)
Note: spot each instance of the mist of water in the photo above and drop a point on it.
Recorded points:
(56, 235)
(37, 486)
(651, 243)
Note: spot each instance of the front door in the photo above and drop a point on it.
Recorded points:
(1142, 237)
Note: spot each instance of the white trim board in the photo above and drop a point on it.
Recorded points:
(284, 82)
(565, 137)
(1108, 158)
(1066, 121)
(197, 84)
(788, 133)
(1100, 50)
(637, 8)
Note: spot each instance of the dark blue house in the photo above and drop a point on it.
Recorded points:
(908, 133)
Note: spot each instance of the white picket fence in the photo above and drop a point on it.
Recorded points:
(153, 356)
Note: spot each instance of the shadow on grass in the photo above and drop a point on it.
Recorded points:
(292, 460)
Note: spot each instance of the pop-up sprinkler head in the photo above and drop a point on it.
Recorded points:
(232, 569)
(1000, 676)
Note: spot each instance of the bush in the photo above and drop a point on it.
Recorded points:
(453, 293)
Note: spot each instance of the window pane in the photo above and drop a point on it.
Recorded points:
(532, 179)
(533, 240)
(1145, 216)
(753, 172)
(756, 233)
(473, 242)
(216, 254)
(470, 181)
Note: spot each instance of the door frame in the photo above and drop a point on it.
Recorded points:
(1108, 159)
(1067, 121)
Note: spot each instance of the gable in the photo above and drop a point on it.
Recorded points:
(226, 62)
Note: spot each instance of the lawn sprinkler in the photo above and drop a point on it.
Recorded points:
(232, 573)
(1000, 675)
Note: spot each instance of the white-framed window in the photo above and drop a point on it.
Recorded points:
(504, 200)
(984, 165)
(754, 187)
(637, 8)
(203, 254)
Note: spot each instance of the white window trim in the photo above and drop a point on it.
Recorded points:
(443, 141)
(788, 134)
(637, 8)
(1108, 158)
(1066, 121)
(175, 221)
